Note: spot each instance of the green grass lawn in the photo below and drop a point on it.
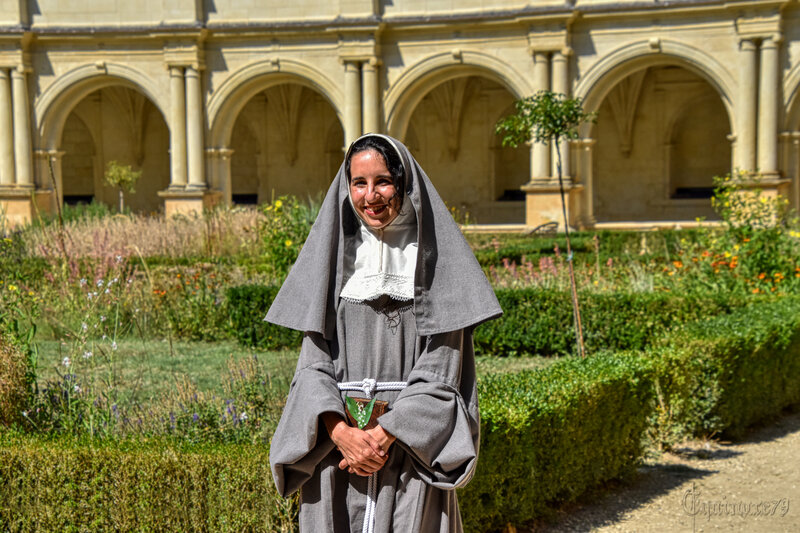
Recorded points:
(154, 368)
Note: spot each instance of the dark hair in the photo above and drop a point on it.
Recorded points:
(390, 156)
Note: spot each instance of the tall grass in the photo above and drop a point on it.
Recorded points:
(221, 232)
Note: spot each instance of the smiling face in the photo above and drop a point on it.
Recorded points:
(372, 189)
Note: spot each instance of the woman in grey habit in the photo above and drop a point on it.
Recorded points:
(388, 293)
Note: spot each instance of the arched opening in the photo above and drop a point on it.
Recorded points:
(120, 124)
(662, 135)
(276, 142)
(452, 134)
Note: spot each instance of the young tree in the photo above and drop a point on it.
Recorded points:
(123, 177)
(547, 117)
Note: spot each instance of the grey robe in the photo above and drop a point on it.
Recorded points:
(426, 342)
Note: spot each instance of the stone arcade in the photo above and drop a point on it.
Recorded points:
(234, 102)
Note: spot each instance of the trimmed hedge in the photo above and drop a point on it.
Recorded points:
(726, 373)
(61, 484)
(247, 305)
(548, 435)
(537, 322)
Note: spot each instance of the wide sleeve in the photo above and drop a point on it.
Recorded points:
(301, 441)
(435, 418)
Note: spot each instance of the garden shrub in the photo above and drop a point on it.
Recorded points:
(247, 305)
(284, 229)
(13, 382)
(65, 484)
(548, 435)
(728, 372)
(539, 322)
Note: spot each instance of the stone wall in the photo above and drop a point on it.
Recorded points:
(237, 101)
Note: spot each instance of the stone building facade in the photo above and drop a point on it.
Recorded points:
(238, 101)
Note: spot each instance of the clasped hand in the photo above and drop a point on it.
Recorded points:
(364, 452)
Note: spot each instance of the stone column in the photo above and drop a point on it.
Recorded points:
(7, 175)
(177, 128)
(352, 101)
(746, 136)
(370, 85)
(587, 180)
(195, 154)
(540, 165)
(768, 91)
(23, 156)
(561, 86)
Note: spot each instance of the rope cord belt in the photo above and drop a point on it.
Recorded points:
(370, 387)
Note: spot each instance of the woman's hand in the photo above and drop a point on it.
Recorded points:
(384, 438)
(363, 454)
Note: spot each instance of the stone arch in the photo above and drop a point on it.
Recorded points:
(411, 87)
(609, 71)
(60, 98)
(791, 90)
(233, 94)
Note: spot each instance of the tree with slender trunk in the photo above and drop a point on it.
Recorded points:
(548, 117)
(123, 177)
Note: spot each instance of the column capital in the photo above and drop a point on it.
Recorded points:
(747, 44)
(563, 54)
(350, 65)
(772, 42)
(540, 55)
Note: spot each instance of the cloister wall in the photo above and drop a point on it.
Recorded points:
(234, 101)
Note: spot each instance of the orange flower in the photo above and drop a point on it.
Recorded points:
(756, 290)
(677, 264)
(762, 276)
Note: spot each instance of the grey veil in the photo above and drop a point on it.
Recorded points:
(450, 290)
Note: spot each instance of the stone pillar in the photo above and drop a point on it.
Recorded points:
(352, 101)
(587, 180)
(746, 134)
(768, 97)
(177, 128)
(540, 165)
(561, 86)
(23, 155)
(7, 174)
(370, 85)
(195, 153)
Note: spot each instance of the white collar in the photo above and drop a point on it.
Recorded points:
(378, 262)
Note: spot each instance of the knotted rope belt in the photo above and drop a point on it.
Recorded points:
(370, 387)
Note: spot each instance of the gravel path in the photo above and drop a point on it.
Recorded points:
(752, 485)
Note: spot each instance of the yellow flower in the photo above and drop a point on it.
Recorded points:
(288, 243)
(278, 204)
(727, 254)
(12, 288)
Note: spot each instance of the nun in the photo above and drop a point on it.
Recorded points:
(381, 424)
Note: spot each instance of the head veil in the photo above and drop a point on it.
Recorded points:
(450, 290)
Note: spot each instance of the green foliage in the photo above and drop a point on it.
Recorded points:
(727, 372)
(549, 435)
(538, 322)
(14, 386)
(74, 213)
(543, 117)
(122, 176)
(247, 305)
(64, 484)
(283, 231)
